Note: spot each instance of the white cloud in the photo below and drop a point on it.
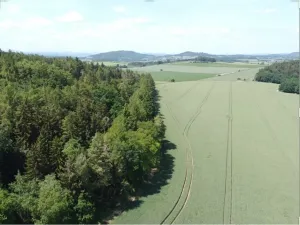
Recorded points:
(72, 16)
(107, 29)
(119, 9)
(33, 22)
(266, 11)
(13, 8)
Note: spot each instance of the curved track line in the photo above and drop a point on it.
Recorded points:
(185, 134)
(186, 172)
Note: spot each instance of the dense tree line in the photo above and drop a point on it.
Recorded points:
(149, 63)
(284, 73)
(73, 137)
(204, 59)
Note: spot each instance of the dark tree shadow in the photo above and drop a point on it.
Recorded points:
(152, 186)
(164, 173)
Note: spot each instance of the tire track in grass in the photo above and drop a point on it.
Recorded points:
(229, 156)
(187, 185)
(187, 91)
(231, 150)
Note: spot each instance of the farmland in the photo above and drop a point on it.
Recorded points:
(231, 65)
(179, 76)
(234, 156)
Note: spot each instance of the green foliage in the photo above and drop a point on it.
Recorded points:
(25, 193)
(85, 209)
(289, 85)
(7, 208)
(80, 134)
(284, 73)
(55, 203)
(205, 59)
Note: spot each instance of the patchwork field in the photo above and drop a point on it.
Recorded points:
(188, 69)
(234, 155)
(219, 64)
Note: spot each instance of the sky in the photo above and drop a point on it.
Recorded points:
(152, 26)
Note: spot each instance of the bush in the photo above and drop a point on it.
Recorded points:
(289, 86)
(172, 80)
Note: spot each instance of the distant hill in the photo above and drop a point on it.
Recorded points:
(294, 54)
(131, 56)
(127, 56)
(193, 54)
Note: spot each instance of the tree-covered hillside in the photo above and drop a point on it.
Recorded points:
(125, 56)
(74, 136)
(284, 73)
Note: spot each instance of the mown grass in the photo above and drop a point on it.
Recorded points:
(179, 76)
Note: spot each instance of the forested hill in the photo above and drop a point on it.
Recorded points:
(125, 56)
(74, 137)
(285, 73)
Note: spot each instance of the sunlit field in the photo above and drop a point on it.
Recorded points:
(234, 156)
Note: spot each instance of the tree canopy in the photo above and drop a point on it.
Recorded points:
(73, 136)
(284, 73)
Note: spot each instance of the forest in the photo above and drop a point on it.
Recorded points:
(283, 73)
(74, 137)
(205, 59)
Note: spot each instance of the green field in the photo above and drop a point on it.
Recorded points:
(179, 76)
(236, 156)
(219, 64)
(188, 69)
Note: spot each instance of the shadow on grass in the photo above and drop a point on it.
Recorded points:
(165, 172)
(150, 187)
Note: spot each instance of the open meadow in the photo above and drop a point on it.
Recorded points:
(234, 155)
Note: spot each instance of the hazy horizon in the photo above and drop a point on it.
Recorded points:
(215, 27)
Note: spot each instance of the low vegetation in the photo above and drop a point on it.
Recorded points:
(75, 137)
(284, 73)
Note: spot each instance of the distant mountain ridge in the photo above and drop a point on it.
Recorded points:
(127, 56)
(132, 56)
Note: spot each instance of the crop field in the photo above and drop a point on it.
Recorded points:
(234, 158)
(179, 76)
(188, 69)
(218, 64)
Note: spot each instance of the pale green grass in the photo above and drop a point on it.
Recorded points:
(179, 76)
(261, 162)
(248, 74)
(219, 64)
(188, 69)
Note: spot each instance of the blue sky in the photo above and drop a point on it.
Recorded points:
(162, 26)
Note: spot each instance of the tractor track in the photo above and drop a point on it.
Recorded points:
(229, 153)
(187, 91)
(187, 184)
